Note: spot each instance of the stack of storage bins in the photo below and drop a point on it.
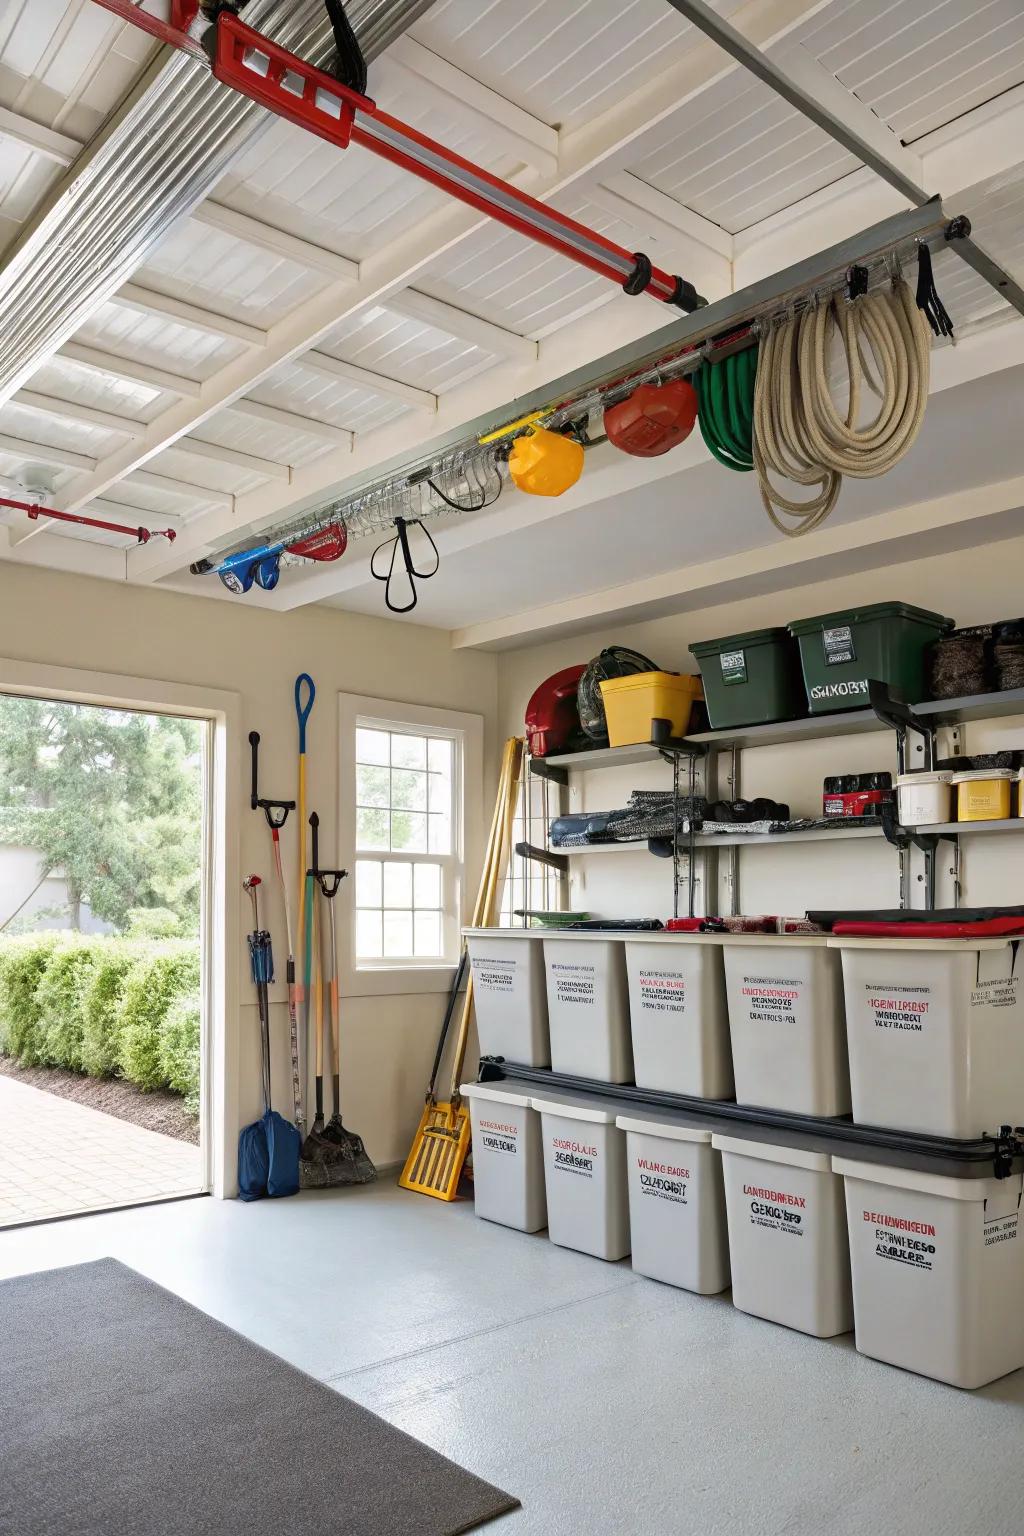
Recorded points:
(936, 1036)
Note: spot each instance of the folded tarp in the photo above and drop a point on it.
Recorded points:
(990, 928)
(969, 915)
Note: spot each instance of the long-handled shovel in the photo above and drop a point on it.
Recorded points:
(268, 1150)
(357, 1164)
(276, 812)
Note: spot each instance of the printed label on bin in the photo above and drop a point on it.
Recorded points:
(499, 1136)
(496, 976)
(904, 1009)
(663, 1181)
(573, 1156)
(662, 991)
(734, 666)
(574, 984)
(1003, 992)
(854, 688)
(777, 1210)
(903, 1241)
(1001, 1229)
(774, 999)
(838, 646)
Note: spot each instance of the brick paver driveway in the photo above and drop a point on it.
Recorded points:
(58, 1158)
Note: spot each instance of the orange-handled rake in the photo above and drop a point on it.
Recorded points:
(434, 1165)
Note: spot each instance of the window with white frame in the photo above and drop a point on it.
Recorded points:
(409, 856)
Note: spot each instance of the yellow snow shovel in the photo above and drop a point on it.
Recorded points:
(439, 1150)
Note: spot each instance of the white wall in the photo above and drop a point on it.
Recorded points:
(62, 620)
(972, 586)
(23, 897)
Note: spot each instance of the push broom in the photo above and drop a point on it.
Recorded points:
(435, 1163)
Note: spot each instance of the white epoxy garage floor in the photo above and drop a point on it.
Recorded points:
(608, 1404)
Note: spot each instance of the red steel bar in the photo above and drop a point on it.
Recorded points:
(142, 535)
(256, 67)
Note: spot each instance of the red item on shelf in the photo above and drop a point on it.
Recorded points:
(990, 928)
(861, 802)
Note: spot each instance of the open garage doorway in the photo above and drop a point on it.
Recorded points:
(102, 858)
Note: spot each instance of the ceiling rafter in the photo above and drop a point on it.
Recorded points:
(585, 154)
(443, 316)
(506, 125)
(270, 469)
(75, 410)
(117, 367)
(267, 237)
(290, 421)
(57, 147)
(376, 383)
(148, 301)
(171, 486)
(45, 453)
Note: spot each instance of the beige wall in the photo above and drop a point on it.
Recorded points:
(75, 622)
(971, 586)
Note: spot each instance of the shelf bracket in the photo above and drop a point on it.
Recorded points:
(541, 769)
(552, 860)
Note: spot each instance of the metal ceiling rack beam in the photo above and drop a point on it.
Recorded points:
(680, 343)
(729, 324)
(848, 122)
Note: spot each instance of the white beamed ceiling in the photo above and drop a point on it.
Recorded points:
(205, 395)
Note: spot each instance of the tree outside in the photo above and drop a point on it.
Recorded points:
(110, 804)
(113, 801)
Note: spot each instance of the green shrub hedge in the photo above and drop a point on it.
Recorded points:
(107, 1007)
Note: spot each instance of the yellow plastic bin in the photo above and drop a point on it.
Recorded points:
(984, 794)
(631, 703)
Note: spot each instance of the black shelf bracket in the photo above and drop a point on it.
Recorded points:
(543, 856)
(542, 769)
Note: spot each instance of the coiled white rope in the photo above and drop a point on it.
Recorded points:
(799, 434)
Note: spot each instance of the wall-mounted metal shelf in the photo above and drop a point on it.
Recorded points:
(969, 828)
(852, 722)
(745, 839)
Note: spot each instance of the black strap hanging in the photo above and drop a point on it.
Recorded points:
(349, 66)
(411, 573)
(928, 295)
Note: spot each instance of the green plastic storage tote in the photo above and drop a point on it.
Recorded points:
(887, 642)
(751, 679)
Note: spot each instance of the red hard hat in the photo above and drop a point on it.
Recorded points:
(552, 715)
(655, 418)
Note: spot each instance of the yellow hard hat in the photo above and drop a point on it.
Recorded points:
(545, 463)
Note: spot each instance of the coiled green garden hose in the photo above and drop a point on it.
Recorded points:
(725, 407)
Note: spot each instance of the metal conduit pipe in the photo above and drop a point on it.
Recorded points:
(160, 153)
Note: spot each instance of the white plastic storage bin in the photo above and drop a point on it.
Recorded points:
(787, 1236)
(938, 1271)
(676, 1201)
(585, 1174)
(588, 1008)
(786, 1023)
(678, 1017)
(509, 995)
(508, 1159)
(936, 1033)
